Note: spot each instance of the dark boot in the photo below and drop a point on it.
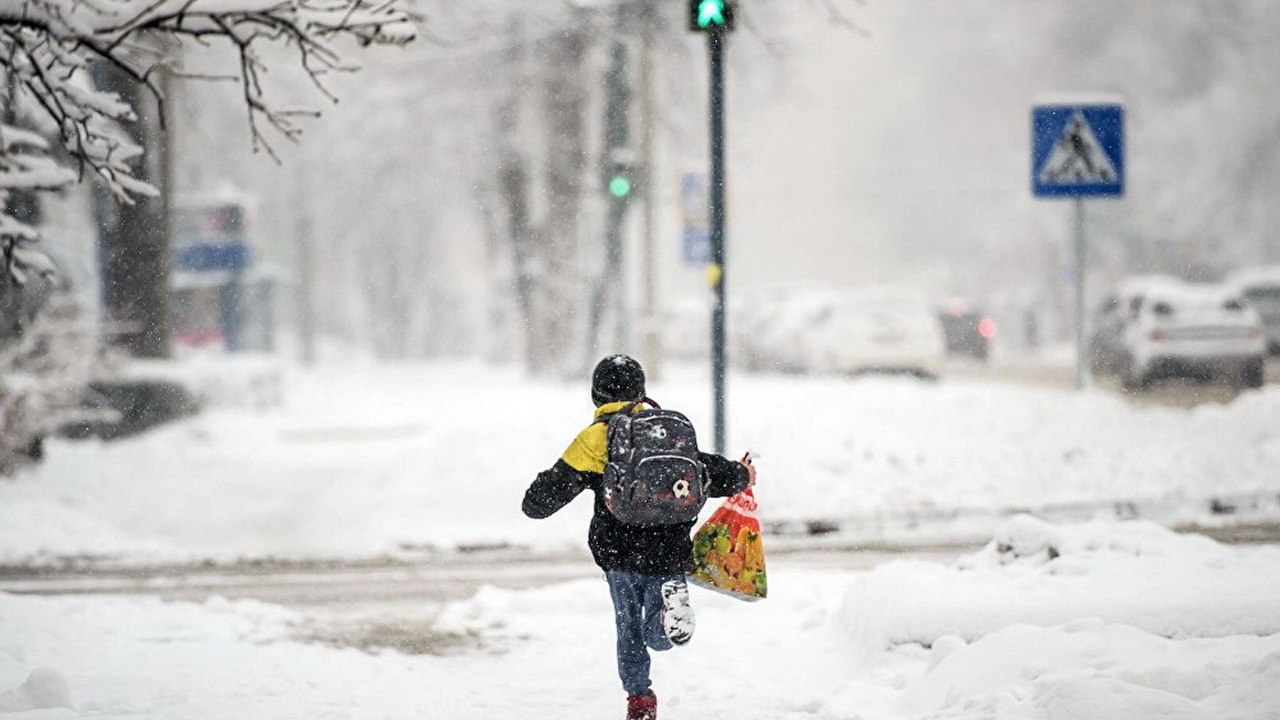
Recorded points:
(642, 707)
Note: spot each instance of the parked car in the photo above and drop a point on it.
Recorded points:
(1202, 331)
(784, 339)
(967, 332)
(1107, 351)
(880, 330)
(1260, 287)
(755, 324)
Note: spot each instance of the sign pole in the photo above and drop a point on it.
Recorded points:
(1077, 151)
(1082, 269)
(715, 46)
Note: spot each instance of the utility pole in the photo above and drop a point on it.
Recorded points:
(715, 44)
(715, 18)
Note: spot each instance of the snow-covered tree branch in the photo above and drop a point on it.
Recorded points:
(49, 48)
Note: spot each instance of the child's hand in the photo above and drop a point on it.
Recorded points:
(751, 469)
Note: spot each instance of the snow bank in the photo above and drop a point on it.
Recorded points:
(91, 656)
(1134, 573)
(1106, 621)
(409, 460)
(1090, 669)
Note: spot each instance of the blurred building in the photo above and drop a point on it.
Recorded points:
(219, 295)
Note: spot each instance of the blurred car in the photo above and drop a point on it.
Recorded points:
(784, 338)
(1107, 351)
(1203, 331)
(1260, 287)
(967, 332)
(880, 330)
(754, 323)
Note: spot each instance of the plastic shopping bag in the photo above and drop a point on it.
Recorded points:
(728, 550)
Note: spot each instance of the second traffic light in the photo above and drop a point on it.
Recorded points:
(620, 186)
(622, 179)
(711, 15)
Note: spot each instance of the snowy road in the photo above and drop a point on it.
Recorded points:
(396, 605)
(351, 584)
(1125, 617)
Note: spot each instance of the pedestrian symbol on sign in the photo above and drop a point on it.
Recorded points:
(1078, 157)
(1077, 149)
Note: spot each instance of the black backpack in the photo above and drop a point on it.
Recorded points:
(653, 475)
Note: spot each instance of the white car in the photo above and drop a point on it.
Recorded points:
(1107, 351)
(882, 330)
(1260, 287)
(785, 336)
(1204, 331)
(759, 326)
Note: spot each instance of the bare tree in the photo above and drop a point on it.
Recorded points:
(543, 229)
(54, 54)
(47, 49)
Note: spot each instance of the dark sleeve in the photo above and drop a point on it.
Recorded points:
(725, 477)
(552, 490)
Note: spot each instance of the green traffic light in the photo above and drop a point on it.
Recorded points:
(711, 12)
(619, 186)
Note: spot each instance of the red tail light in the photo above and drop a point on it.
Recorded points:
(987, 328)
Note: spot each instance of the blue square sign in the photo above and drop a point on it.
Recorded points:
(1077, 150)
(696, 245)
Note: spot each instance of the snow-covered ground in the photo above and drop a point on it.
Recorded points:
(1102, 620)
(1099, 621)
(403, 460)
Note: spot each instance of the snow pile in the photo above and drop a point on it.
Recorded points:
(126, 657)
(1089, 669)
(499, 615)
(1101, 620)
(43, 689)
(1134, 573)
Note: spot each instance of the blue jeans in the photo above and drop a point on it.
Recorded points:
(637, 609)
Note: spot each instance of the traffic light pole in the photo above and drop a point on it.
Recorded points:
(715, 46)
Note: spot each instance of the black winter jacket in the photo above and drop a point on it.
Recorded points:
(651, 549)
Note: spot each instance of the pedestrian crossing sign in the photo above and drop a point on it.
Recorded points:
(1077, 150)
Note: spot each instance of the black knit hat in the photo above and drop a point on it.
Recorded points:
(617, 378)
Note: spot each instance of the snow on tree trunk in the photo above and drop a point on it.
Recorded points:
(44, 374)
(134, 236)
